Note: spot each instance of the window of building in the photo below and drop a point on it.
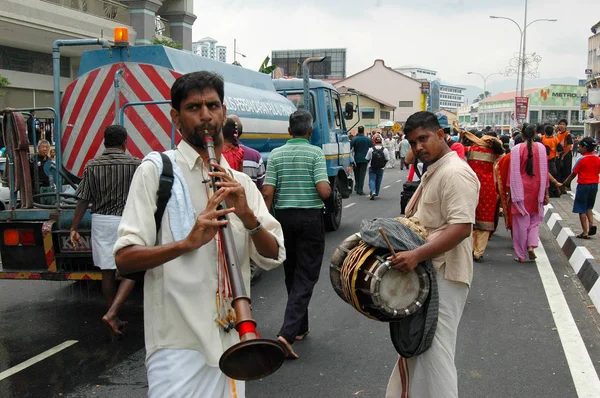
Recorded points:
(367, 113)
(405, 104)
(534, 117)
(553, 116)
(20, 60)
(574, 119)
(385, 115)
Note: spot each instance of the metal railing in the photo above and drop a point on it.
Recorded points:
(107, 9)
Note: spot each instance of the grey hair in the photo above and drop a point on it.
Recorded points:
(41, 142)
(300, 122)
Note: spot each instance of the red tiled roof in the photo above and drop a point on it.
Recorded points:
(508, 95)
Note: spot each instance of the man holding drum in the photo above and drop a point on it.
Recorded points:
(445, 204)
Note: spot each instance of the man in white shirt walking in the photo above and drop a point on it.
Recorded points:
(185, 288)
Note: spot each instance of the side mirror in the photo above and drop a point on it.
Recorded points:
(349, 111)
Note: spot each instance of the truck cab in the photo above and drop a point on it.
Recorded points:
(329, 133)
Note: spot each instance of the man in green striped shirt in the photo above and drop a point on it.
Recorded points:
(296, 185)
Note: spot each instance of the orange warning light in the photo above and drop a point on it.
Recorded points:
(121, 35)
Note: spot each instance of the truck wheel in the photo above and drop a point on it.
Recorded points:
(333, 220)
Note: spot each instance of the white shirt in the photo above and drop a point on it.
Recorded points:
(179, 296)
(370, 153)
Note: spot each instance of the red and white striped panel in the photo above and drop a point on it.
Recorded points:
(88, 106)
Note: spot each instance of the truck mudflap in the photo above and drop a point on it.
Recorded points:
(37, 250)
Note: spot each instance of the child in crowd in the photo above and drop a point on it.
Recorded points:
(587, 170)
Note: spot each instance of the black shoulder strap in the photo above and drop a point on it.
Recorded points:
(165, 183)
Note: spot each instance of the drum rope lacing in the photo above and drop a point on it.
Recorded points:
(349, 273)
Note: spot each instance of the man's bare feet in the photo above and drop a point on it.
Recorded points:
(289, 351)
(113, 324)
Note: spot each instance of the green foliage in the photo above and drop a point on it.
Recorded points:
(3, 83)
(482, 96)
(167, 42)
(265, 68)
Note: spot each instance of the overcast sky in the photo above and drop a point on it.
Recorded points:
(450, 36)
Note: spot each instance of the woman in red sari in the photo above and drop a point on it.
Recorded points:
(233, 153)
(482, 156)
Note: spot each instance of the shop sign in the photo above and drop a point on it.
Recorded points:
(521, 108)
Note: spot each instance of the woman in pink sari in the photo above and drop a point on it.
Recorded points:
(528, 168)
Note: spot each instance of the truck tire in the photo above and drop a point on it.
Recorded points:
(333, 219)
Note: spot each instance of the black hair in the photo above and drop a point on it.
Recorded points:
(539, 128)
(114, 136)
(588, 143)
(425, 120)
(505, 139)
(300, 123)
(361, 129)
(196, 82)
(519, 139)
(230, 131)
(563, 121)
(492, 133)
(498, 147)
(528, 135)
(549, 130)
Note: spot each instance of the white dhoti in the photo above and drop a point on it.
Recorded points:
(184, 373)
(433, 373)
(104, 237)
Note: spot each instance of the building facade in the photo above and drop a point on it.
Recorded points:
(417, 72)
(546, 105)
(332, 67)
(591, 103)
(371, 111)
(395, 88)
(206, 47)
(442, 95)
(28, 29)
(451, 97)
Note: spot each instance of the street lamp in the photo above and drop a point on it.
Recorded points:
(235, 52)
(484, 80)
(522, 44)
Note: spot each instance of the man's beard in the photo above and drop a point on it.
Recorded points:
(196, 138)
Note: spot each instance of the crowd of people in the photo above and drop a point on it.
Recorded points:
(276, 217)
(548, 174)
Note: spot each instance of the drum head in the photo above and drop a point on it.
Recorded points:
(398, 289)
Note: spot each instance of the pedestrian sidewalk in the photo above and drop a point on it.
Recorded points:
(583, 254)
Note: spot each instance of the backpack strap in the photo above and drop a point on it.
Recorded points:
(165, 183)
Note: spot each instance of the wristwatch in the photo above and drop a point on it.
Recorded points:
(255, 229)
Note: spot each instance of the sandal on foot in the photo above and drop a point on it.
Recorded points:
(532, 255)
(582, 236)
(593, 230)
(302, 336)
(519, 260)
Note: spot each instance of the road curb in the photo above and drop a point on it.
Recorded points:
(582, 261)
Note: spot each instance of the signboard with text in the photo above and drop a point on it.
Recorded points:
(521, 108)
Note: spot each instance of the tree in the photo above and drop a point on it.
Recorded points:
(482, 96)
(167, 42)
(3, 83)
(265, 68)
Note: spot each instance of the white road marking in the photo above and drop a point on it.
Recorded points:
(36, 359)
(399, 180)
(349, 205)
(386, 187)
(582, 369)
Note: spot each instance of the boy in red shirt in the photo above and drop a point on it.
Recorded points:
(587, 170)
